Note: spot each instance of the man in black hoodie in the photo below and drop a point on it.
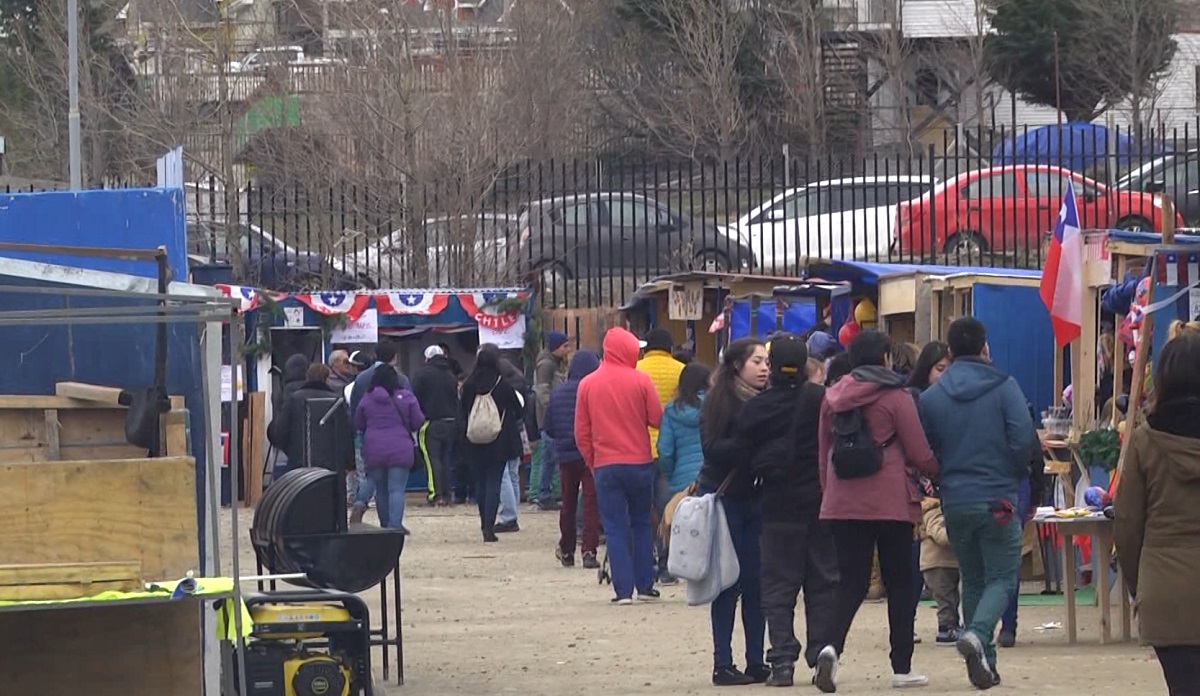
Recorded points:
(780, 427)
(293, 429)
(436, 389)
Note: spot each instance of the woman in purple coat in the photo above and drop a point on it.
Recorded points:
(387, 417)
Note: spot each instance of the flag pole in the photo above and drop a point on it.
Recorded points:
(1145, 340)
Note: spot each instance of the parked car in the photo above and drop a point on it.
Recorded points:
(270, 263)
(1179, 174)
(461, 251)
(837, 219)
(602, 233)
(1002, 209)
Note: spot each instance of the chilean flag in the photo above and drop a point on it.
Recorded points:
(1062, 278)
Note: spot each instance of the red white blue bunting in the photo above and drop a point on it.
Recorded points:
(1176, 269)
(475, 304)
(247, 297)
(349, 303)
(424, 304)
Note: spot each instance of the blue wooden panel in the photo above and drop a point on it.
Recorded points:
(1020, 337)
(126, 219)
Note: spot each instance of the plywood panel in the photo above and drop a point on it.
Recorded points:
(75, 433)
(95, 511)
(51, 581)
(106, 651)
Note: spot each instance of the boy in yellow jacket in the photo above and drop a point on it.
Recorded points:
(940, 568)
(663, 369)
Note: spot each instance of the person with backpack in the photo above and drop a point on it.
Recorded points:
(387, 417)
(491, 417)
(780, 426)
(870, 443)
(741, 376)
(615, 408)
(559, 424)
(979, 425)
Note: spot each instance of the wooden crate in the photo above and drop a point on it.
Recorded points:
(119, 510)
(54, 581)
(151, 650)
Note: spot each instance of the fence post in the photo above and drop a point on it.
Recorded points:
(932, 207)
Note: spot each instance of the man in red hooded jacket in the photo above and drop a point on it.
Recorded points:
(615, 407)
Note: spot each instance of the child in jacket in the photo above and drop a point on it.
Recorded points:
(680, 453)
(940, 568)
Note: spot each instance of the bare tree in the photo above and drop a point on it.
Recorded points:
(672, 70)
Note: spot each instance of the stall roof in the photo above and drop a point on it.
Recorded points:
(661, 283)
(1129, 237)
(869, 273)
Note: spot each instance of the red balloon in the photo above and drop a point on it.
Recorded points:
(847, 333)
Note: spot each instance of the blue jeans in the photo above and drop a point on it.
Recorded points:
(546, 492)
(510, 492)
(391, 483)
(366, 484)
(745, 526)
(625, 493)
(1008, 622)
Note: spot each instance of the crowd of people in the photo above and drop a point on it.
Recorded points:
(837, 469)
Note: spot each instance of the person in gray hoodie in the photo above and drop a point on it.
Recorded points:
(979, 427)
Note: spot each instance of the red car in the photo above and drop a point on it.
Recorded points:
(1003, 209)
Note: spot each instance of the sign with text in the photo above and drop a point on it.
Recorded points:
(686, 302)
(365, 329)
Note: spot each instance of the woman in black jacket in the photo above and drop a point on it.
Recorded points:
(742, 375)
(487, 462)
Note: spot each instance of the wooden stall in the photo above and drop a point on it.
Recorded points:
(88, 512)
(687, 304)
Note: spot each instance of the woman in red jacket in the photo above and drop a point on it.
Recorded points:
(878, 509)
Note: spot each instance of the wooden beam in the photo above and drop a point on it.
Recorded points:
(89, 392)
(53, 444)
(48, 581)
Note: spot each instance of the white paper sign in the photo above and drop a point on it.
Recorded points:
(293, 317)
(227, 383)
(686, 302)
(1193, 304)
(504, 337)
(364, 330)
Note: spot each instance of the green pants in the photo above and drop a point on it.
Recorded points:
(989, 553)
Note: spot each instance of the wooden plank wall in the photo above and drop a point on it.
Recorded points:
(587, 326)
(55, 428)
(96, 511)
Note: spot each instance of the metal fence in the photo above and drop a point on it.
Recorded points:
(589, 231)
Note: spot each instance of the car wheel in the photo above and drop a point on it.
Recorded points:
(1135, 223)
(965, 248)
(712, 262)
(553, 279)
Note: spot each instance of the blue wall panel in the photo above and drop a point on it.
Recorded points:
(118, 219)
(1020, 337)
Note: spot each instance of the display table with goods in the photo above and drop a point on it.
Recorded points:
(1097, 525)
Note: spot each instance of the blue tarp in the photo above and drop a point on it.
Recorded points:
(1079, 147)
(866, 273)
(1149, 237)
(1022, 347)
(799, 315)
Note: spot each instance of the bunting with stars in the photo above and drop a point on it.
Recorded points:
(421, 303)
(351, 304)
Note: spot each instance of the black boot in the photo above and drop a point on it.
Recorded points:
(782, 674)
(759, 673)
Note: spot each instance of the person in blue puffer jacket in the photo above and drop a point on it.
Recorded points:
(680, 453)
(559, 424)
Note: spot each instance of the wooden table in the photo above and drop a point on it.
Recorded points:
(1100, 529)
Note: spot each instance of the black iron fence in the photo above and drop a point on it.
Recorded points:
(589, 231)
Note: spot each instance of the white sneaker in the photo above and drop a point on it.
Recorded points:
(826, 672)
(909, 681)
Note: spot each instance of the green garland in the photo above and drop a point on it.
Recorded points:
(270, 310)
(535, 322)
(1101, 447)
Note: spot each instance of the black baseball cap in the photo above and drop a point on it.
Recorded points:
(789, 354)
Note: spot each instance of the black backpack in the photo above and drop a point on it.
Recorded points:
(855, 452)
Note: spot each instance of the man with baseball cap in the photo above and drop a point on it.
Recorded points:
(779, 427)
(436, 389)
(549, 371)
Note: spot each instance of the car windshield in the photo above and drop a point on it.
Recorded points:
(1134, 178)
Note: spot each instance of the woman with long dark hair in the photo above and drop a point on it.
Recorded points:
(742, 374)
(488, 460)
(1156, 521)
(931, 363)
(680, 453)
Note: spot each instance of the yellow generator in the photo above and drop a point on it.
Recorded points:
(309, 643)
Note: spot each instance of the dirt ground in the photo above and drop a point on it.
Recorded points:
(506, 618)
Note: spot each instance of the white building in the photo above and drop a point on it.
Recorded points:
(924, 72)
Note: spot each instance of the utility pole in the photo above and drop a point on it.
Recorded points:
(1057, 82)
(73, 136)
